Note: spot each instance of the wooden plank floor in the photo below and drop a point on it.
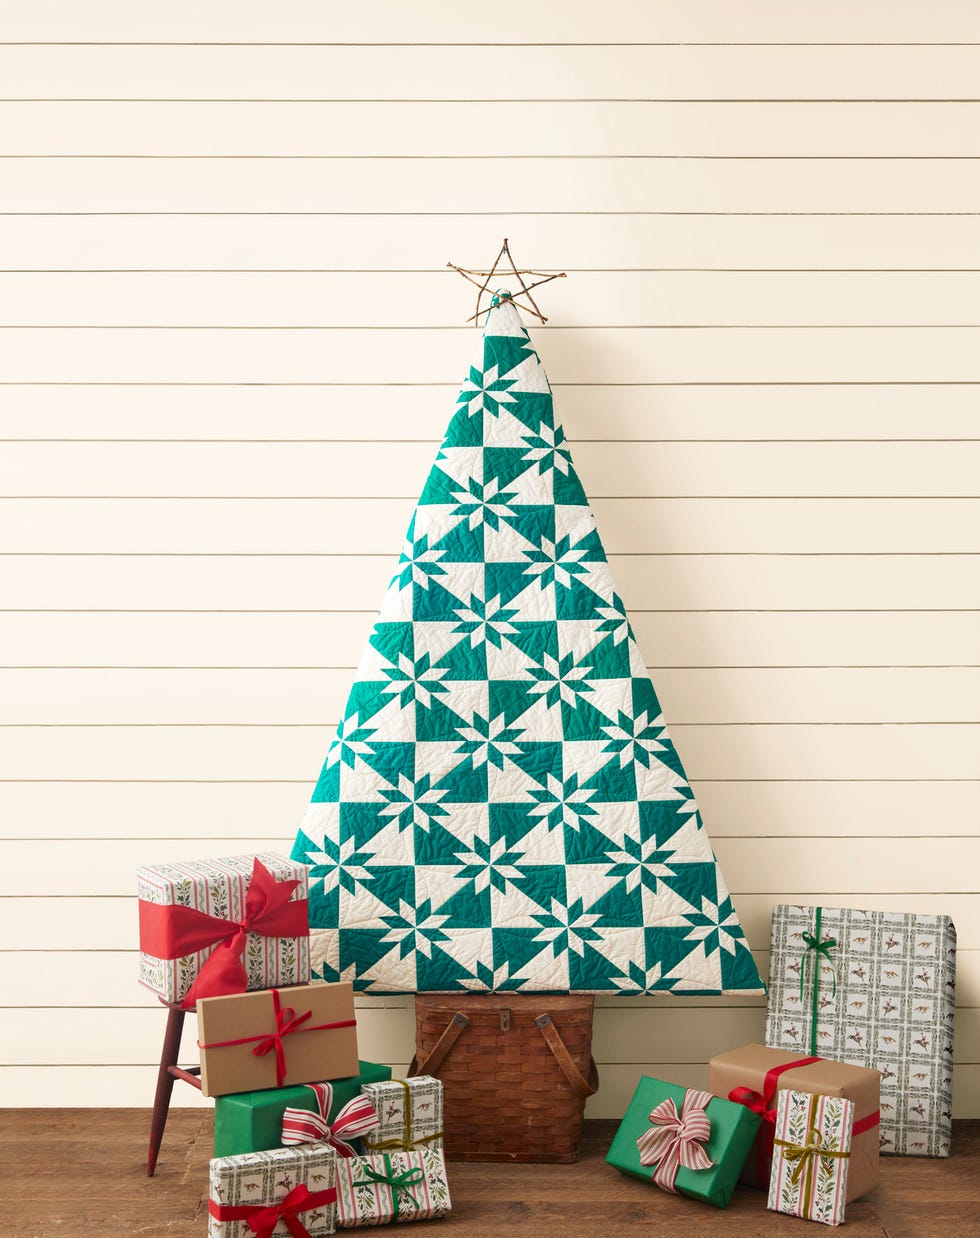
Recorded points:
(79, 1173)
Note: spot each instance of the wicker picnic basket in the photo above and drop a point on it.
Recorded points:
(516, 1072)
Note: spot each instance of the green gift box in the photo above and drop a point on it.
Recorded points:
(252, 1121)
(732, 1133)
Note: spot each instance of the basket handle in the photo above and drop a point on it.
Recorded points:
(433, 1060)
(576, 1081)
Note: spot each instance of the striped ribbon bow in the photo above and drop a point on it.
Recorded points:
(356, 1118)
(677, 1138)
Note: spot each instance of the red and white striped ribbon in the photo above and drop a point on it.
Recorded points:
(356, 1118)
(677, 1138)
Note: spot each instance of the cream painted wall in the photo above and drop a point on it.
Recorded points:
(228, 345)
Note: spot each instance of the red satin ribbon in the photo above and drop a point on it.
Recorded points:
(762, 1104)
(865, 1124)
(169, 932)
(287, 1022)
(263, 1218)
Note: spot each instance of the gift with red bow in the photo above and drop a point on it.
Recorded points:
(282, 1036)
(264, 1194)
(754, 1076)
(684, 1141)
(209, 927)
(252, 1121)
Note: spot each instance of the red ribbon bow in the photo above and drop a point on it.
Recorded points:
(355, 1119)
(263, 1218)
(169, 932)
(763, 1103)
(287, 1022)
(677, 1138)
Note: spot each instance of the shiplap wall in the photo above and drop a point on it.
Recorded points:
(228, 345)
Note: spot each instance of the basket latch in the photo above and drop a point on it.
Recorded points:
(505, 1018)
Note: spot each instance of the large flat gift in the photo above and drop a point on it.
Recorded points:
(685, 1141)
(252, 1121)
(281, 1036)
(876, 988)
(392, 1186)
(223, 926)
(812, 1151)
(410, 1112)
(755, 1076)
(290, 1191)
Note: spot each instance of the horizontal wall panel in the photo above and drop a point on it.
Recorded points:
(603, 183)
(609, 413)
(689, 696)
(508, 21)
(402, 299)
(132, 1086)
(107, 867)
(931, 750)
(496, 72)
(110, 924)
(377, 526)
(553, 242)
(229, 811)
(466, 127)
(689, 470)
(710, 354)
(620, 1036)
(108, 978)
(104, 638)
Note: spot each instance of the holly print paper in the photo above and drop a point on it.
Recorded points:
(811, 1150)
(503, 807)
(394, 1186)
(885, 999)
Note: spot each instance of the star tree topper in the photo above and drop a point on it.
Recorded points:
(504, 262)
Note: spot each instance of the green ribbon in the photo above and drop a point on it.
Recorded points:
(395, 1182)
(819, 949)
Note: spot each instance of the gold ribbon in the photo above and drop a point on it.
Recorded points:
(803, 1158)
(408, 1144)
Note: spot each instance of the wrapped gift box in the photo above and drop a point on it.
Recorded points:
(411, 1114)
(283, 1036)
(732, 1133)
(244, 1187)
(812, 1151)
(392, 1186)
(251, 922)
(756, 1076)
(252, 1121)
(892, 1009)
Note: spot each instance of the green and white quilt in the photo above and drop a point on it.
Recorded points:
(502, 807)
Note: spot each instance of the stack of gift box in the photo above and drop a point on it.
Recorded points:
(857, 1062)
(307, 1136)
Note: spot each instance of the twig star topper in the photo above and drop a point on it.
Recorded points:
(504, 264)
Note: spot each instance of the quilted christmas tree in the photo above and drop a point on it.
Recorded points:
(502, 808)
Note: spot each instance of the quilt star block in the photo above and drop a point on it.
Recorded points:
(502, 807)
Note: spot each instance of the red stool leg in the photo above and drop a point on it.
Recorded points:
(165, 1085)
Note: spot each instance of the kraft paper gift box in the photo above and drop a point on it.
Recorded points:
(812, 1151)
(247, 1191)
(875, 988)
(223, 926)
(392, 1186)
(410, 1111)
(756, 1076)
(282, 1036)
(644, 1146)
(252, 1121)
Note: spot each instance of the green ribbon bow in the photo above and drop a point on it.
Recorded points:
(395, 1182)
(818, 949)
